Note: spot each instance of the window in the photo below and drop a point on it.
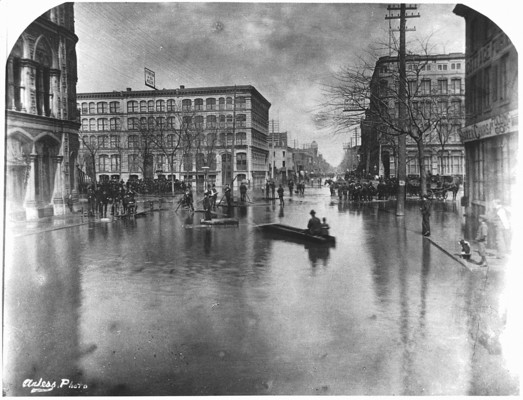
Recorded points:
(91, 108)
(228, 103)
(115, 124)
(115, 141)
(103, 124)
(241, 120)
(221, 102)
(186, 122)
(425, 86)
(503, 82)
(151, 123)
(132, 124)
(160, 162)
(115, 163)
(442, 86)
(186, 105)
(442, 67)
(241, 138)
(495, 83)
(241, 162)
(150, 106)
(101, 108)
(92, 124)
(240, 103)
(133, 163)
(456, 107)
(413, 87)
(132, 107)
(114, 107)
(458, 66)
(200, 161)
(442, 107)
(103, 163)
(170, 141)
(102, 141)
(143, 106)
(85, 108)
(198, 104)
(198, 122)
(229, 121)
(133, 141)
(222, 121)
(453, 66)
(211, 160)
(187, 162)
(160, 122)
(160, 105)
(486, 88)
(171, 105)
(210, 104)
(383, 69)
(170, 123)
(92, 142)
(85, 124)
(211, 121)
(455, 84)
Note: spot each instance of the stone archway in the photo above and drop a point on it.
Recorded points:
(18, 164)
(45, 165)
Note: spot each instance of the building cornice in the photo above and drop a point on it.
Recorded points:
(180, 92)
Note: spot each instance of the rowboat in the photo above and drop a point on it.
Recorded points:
(297, 234)
(220, 221)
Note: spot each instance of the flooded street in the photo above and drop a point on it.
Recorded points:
(161, 305)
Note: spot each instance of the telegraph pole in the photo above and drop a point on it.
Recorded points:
(402, 97)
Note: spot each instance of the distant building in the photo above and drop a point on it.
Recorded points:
(435, 85)
(351, 157)
(42, 125)
(201, 127)
(491, 127)
(281, 166)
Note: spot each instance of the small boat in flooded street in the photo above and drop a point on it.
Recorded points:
(297, 234)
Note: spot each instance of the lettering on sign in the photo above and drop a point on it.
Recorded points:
(501, 124)
(149, 78)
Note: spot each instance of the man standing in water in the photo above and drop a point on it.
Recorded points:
(280, 195)
(425, 213)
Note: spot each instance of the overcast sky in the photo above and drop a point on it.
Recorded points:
(286, 50)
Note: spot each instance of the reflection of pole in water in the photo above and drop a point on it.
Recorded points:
(425, 269)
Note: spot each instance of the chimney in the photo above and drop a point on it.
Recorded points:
(129, 89)
(182, 86)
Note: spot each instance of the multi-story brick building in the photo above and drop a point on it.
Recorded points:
(201, 128)
(435, 96)
(491, 127)
(42, 127)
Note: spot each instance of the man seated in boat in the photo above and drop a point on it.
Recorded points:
(314, 225)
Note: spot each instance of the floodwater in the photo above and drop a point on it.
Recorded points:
(161, 305)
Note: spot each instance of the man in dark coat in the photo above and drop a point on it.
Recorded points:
(425, 214)
(314, 226)
(207, 206)
(280, 195)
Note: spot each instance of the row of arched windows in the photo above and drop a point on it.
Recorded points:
(147, 106)
(170, 141)
(134, 123)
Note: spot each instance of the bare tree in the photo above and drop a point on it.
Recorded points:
(91, 145)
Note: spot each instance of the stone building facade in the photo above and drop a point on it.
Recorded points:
(435, 92)
(192, 132)
(491, 127)
(41, 116)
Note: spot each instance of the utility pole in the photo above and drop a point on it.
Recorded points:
(402, 97)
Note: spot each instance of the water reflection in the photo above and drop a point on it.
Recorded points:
(318, 253)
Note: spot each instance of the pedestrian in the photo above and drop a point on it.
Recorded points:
(228, 195)
(465, 249)
(314, 224)
(267, 188)
(502, 228)
(425, 213)
(481, 238)
(189, 200)
(273, 190)
(280, 195)
(291, 187)
(243, 192)
(70, 202)
(324, 227)
(213, 196)
(207, 206)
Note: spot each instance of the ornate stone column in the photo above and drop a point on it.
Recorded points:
(10, 103)
(31, 211)
(54, 93)
(58, 197)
